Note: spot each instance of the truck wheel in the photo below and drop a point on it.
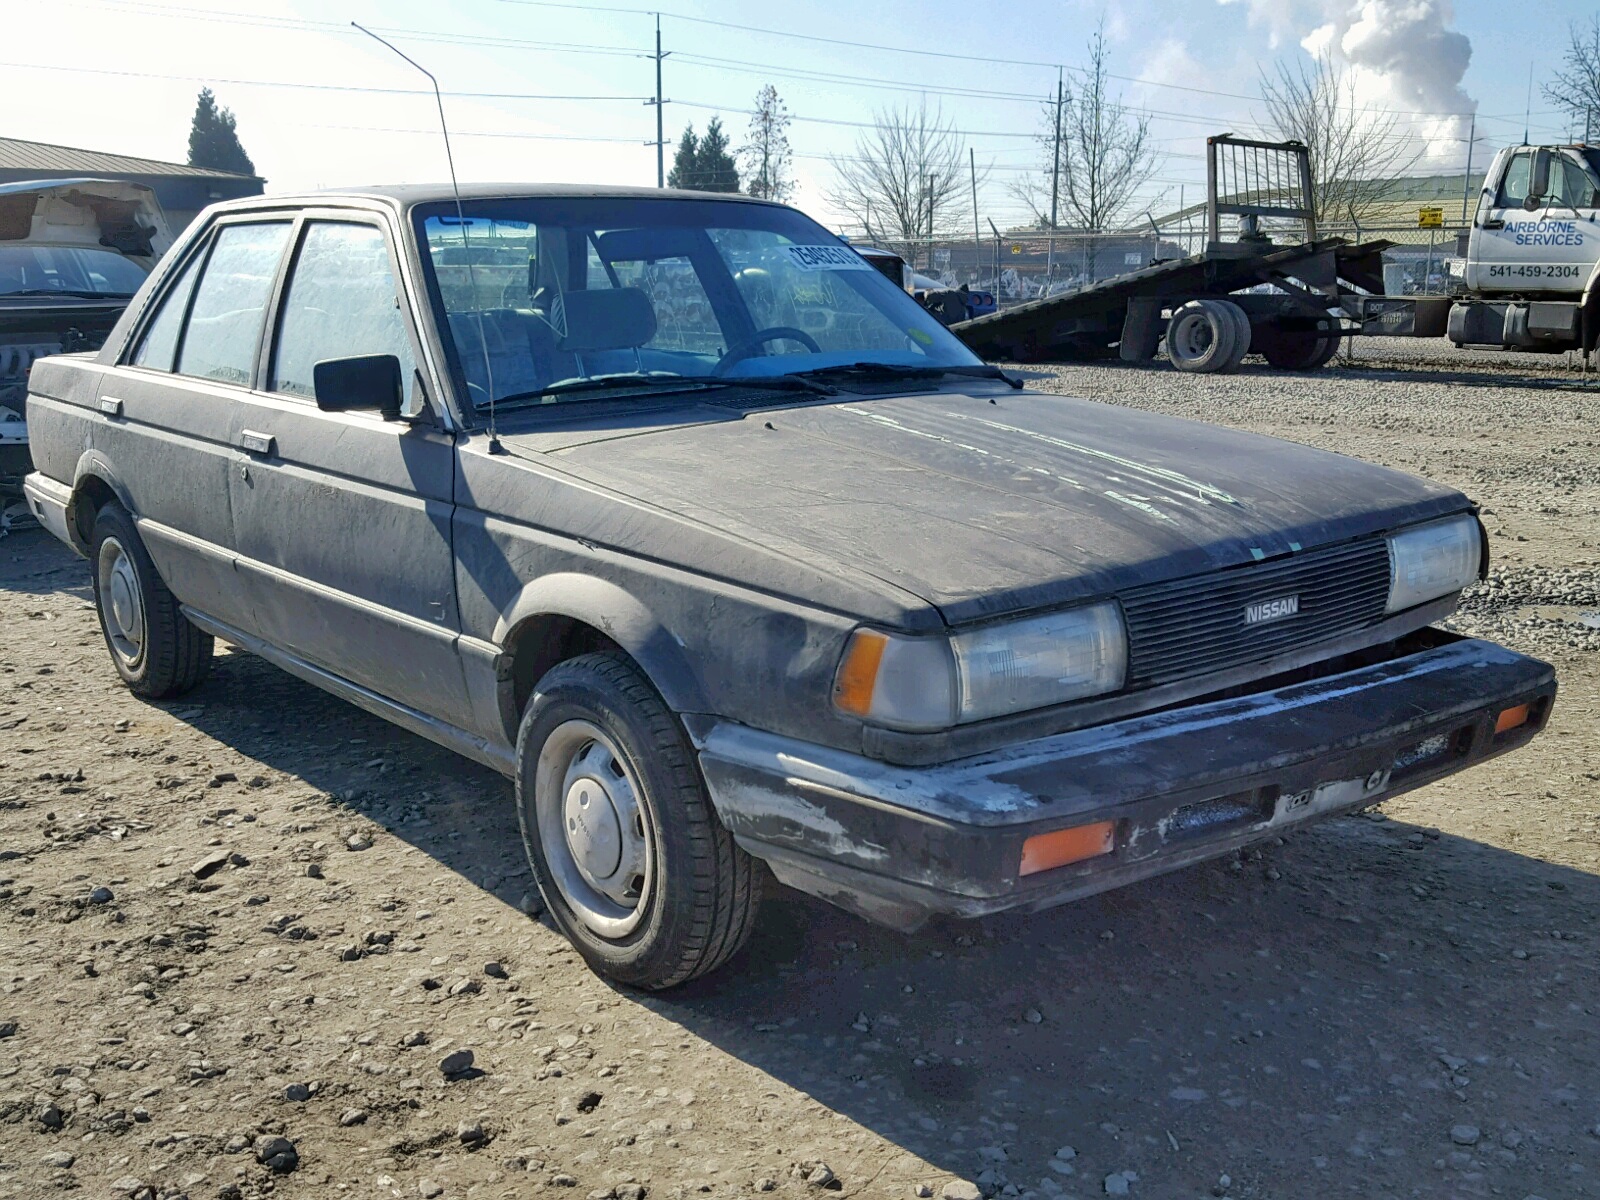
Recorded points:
(1201, 338)
(155, 649)
(1297, 351)
(630, 857)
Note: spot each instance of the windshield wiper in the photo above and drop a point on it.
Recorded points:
(671, 383)
(882, 370)
(71, 293)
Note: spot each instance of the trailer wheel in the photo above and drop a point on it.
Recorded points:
(1297, 351)
(1203, 338)
(1241, 321)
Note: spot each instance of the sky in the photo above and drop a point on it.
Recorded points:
(548, 92)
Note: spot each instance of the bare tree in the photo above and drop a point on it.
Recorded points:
(768, 161)
(1107, 154)
(1575, 86)
(1356, 149)
(908, 183)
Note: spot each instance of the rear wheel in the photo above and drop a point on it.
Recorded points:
(630, 857)
(153, 646)
(1203, 337)
(1297, 351)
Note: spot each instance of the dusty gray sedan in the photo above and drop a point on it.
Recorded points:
(675, 510)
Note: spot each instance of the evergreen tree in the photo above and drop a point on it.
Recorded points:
(717, 172)
(213, 140)
(768, 161)
(703, 163)
(686, 162)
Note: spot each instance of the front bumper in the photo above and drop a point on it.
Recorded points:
(898, 845)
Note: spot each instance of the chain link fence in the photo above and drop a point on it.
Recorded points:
(1021, 266)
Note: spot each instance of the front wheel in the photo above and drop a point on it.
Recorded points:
(153, 646)
(628, 852)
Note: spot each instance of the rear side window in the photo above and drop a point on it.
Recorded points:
(342, 302)
(160, 342)
(225, 319)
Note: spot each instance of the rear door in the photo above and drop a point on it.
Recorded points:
(344, 519)
(168, 413)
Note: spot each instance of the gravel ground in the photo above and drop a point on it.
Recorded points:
(251, 939)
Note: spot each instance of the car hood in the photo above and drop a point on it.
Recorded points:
(983, 505)
(110, 213)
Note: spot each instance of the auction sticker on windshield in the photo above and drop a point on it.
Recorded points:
(826, 258)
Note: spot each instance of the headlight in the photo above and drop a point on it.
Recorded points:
(1432, 561)
(932, 683)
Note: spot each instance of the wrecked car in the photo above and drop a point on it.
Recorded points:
(72, 254)
(674, 510)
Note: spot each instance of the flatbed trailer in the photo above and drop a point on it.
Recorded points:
(1212, 308)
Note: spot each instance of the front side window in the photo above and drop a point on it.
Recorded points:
(160, 342)
(225, 319)
(342, 302)
(1514, 188)
(543, 296)
(1570, 184)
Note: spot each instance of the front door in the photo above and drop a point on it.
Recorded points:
(344, 519)
(1548, 247)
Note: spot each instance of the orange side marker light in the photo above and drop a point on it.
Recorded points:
(1045, 851)
(1511, 718)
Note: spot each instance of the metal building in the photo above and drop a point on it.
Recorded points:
(183, 190)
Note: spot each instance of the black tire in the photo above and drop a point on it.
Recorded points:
(1241, 329)
(1296, 351)
(1202, 337)
(697, 892)
(153, 646)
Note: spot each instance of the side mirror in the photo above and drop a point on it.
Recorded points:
(368, 382)
(1539, 182)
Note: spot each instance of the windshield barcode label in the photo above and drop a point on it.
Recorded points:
(826, 258)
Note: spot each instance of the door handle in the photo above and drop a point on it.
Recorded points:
(258, 443)
(1494, 223)
(111, 406)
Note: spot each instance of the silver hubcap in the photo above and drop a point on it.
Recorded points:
(121, 602)
(1193, 336)
(593, 828)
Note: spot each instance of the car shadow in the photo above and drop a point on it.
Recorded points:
(1325, 1010)
(1376, 369)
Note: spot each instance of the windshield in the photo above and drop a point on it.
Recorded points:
(543, 293)
(70, 270)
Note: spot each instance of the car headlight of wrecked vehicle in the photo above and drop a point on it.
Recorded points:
(1433, 560)
(1013, 666)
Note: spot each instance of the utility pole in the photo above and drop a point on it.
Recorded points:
(1466, 179)
(661, 139)
(977, 240)
(930, 222)
(1055, 168)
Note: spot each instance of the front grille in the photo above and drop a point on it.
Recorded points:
(1195, 626)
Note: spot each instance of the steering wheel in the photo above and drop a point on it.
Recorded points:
(774, 333)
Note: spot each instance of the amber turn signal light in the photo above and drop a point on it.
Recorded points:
(858, 674)
(1045, 851)
(1511, 718)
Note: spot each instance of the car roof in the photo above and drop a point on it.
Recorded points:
(406, 195)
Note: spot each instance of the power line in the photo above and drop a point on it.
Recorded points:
(316, 87)
(449, 36)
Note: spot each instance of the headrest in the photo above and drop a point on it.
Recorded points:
(604, 319)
